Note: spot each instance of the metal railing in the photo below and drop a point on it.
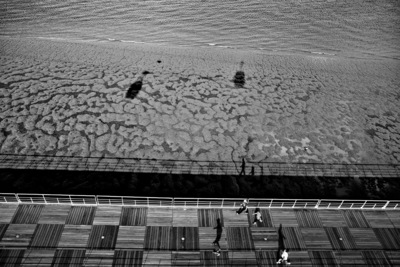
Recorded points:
(197, 202)
(136, 165)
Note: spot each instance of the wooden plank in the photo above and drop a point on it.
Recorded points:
(259, 233)
(365, 238)
(323, 258)
(75, 236)
(266, 257)
(242, 258)
(207, 235)
(340, 238)
(185, 258)
(3, 229)
(315, 238)
(157, 238)
(208, 217)
(159, 217)
(81, 215)
(18, 235)
(185, 217)
(54, 214)
(286, 217)
(308, 218)
(47, 235)
(349, 258)
(208, 258)
(7, 212)
(394, 257)
(41, 257)
(300, 258)
(375, 258)
(293, 238)
(131, 237)
(99, 258)
(128, 258)
(394, 217)
(133, 216)
(355, 218)
(107, 215)
(11, 257)
(388, 237)
(68, 257)
(96, 240)
(190, 239)
(331, 218)
(239, 238)
(231, 219)
(157, 258)
(378, 219)
(27, 214)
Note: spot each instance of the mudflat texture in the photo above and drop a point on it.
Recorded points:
(66, 98)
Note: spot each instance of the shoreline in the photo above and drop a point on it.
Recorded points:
(340, 109)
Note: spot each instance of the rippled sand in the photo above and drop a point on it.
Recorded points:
(65, 98)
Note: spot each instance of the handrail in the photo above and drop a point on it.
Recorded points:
(103, 200)
(139, 165)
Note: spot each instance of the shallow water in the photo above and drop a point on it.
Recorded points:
(355, 28)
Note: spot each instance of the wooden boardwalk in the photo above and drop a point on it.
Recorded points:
(63, 235)
(41, 162)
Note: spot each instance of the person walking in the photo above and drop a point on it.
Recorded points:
(284, 258)
(257, 217)
(243, 171)
(243, 207)
(219, 233)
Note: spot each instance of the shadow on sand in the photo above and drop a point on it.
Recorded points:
(135, 88)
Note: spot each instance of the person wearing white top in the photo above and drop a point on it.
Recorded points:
(284, 258)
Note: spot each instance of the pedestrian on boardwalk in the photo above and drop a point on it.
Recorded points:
(257, 217)
(284, 258)
(219, 233)
(243, 207)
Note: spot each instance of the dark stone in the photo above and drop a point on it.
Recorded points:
(158, 61)
(134, 89)
(145, 72)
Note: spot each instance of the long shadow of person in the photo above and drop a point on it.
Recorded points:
(135, 88)
(281, 244)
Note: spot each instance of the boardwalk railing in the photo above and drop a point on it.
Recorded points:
(136, 165)
(196, 202)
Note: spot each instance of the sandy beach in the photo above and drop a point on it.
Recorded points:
(68, 98)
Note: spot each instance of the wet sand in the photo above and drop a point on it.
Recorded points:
(68, 98)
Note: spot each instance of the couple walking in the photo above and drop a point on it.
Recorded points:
(257, 213)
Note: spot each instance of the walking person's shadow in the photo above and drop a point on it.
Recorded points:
(281, 244)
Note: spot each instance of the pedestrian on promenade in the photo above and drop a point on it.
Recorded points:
(219, 233)
(257, 217)
(243, 207)
(284, 258)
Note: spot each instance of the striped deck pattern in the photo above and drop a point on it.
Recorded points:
(62, 235)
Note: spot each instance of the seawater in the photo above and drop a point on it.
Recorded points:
(352, 28)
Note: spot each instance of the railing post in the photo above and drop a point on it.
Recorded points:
(365, 202)
(70, 199)
(17, 197)
(31, 199)
(222, 203)
(318, 203)
(294, 204)
(341, 204)
(44, 199)
(387, 203)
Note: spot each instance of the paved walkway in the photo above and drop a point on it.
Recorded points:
(199, 167)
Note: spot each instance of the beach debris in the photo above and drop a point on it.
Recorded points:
(158, 61)
(239, 78)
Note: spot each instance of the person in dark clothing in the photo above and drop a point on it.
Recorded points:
(219, 233)
(257, 217)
